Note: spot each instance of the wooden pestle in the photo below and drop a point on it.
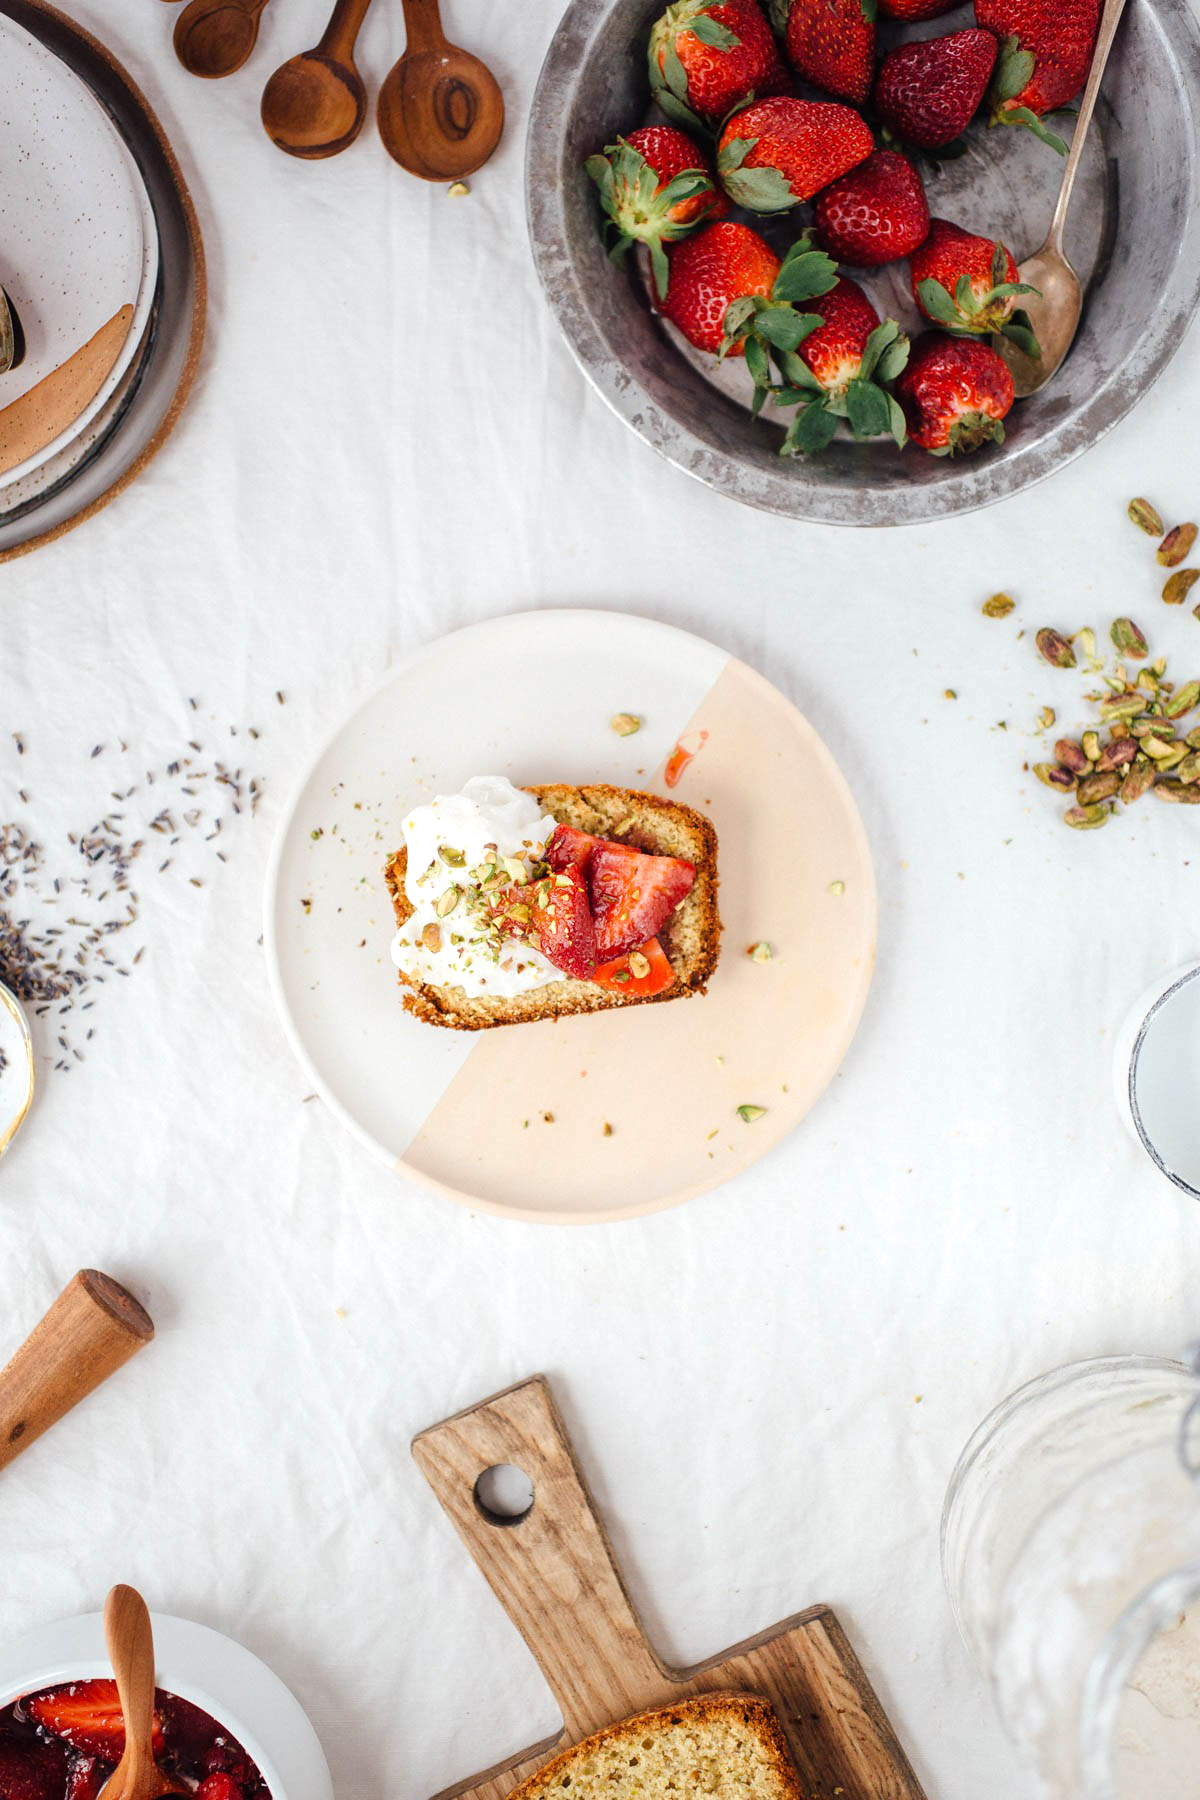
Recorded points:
(93, 1327)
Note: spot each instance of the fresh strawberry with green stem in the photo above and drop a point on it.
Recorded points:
(875, 214)
(928, 93)
(830, 42)
(708, 55)
(1046, 49)
(633, 895)
(655, 186)
(554, 914)
(956, 393)
(709, 272)
(774, 153)
(767, 328)
(964, 282)
(87, 1715)
(840, 372)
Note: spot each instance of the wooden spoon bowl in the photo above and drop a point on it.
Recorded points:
(440, 108)
(214, 37)
(315, 105)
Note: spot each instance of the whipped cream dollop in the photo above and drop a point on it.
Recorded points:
(454, 843)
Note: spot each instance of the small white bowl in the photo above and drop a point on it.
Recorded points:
(1156, 1072)
(221, 1677)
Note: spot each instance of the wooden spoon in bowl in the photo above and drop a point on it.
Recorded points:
(1055, 309)
(315, 104)
(440, 110)
(130, 1640)
(214, 37)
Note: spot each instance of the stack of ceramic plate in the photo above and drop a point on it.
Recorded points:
(102, 266)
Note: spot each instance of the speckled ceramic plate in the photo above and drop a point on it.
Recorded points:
(78, 254)
(512, 1120)
(1133, 233)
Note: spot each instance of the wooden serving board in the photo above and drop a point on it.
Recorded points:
(553, 1572)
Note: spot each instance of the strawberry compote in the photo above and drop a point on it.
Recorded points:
(63, 1743)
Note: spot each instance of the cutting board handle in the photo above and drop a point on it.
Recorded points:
(552, 1569)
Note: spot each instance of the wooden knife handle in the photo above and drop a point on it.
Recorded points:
(552, 1569)
(93, 1327)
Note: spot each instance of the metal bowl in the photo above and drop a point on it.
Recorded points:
(1133, 234)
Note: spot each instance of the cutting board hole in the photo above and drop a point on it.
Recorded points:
(504, 1494)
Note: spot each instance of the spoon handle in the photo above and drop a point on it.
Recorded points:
(1109, 20)
(339, 36)
(130, 1641)
(423, 25)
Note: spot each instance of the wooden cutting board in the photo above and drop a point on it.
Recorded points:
(553, 1571)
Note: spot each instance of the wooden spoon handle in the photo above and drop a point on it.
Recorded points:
(1110, 18)
(130, 1640)
(552, 1569)
(423, 25)
(341, 33)
(91, 1330)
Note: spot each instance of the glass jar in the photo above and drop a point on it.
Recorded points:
(1071, 1553)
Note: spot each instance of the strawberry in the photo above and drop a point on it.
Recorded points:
(218, 1787)
(969, 283)
(1045, 53)
(655, 186)
(86, 1776)
(955, 392)
(633, 896)
(645, 970)
(876, 213)
(842, 365)
(35, 1770)
(830, 42)
(773, 153)
(706, 56)
(721, 264)
(915, 9)
(928, 93)
(87, 1715)
(555, 914)
(569, 846)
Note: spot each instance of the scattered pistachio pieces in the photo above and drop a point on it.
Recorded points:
(1182, 700)
(639, 965)
(1072, 755)
(1146, 517)
(1100, 786)
(1055, 648)
(445, 903)
(458, 190)
(1176, 545)
(1054, 775)
(1140, 777)
(760, 952)
(1181, 792)
(606, 1129)
(625, 724)
(1128, 639)
(454, 859)
(1046, 718)
(1177, 586)
(837, 887)
(998, 607)
(748, 1114)
(950, 694)
(431, 937)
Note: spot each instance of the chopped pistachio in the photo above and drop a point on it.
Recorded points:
(748, 1114)
(1146, 517)
(625, 724)
(760, 952)
(998, 607)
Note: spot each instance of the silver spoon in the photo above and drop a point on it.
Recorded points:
(1054, 310)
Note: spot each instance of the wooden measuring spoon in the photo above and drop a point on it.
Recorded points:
(1055, 309)
(130, 1640)
(315, 104)
(440, 109)
(214, 37)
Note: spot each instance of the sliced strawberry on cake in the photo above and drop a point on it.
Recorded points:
(633, 895)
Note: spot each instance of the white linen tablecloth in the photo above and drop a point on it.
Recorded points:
(769, 1386)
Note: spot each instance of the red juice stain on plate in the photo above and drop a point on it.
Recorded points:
(689, 746)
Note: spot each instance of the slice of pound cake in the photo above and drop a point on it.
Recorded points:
(517, 904)
(727, 1745)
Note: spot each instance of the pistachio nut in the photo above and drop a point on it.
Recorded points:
(1100, 786)
(1146, 517)
(1138, 778)
(1183, 700)
(998, 607)
(1054, 775)
(1117, 753)
(1086, 818)
(1091, 745)
(1179, 585)
(1128, 640)
(1176, 545)
(1181, 792)
(1072, 755)
(1055, 648)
